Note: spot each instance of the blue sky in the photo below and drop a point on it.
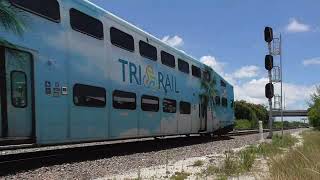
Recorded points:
(228, 35)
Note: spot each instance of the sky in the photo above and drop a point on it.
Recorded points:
(228, 36)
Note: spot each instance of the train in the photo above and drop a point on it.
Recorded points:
(79, 74)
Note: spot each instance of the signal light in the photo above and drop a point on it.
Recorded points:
(268, 34)
(269, 91)
(268, 62)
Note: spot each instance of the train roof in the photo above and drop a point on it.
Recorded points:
(136, 29)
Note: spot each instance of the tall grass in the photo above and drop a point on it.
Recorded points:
(300, 163)
(241, 162)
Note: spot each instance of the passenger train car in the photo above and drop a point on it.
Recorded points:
(79, 73)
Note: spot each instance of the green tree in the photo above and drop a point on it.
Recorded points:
(243, 110)
(315, 96)
(251, 112)
(10, 21)
(314, 110)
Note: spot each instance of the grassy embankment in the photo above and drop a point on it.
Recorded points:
(300, 163)
(235, 164)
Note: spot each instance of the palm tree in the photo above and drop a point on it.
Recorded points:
(10, 21)
(209, 91)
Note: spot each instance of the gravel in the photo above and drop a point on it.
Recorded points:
(120, 164)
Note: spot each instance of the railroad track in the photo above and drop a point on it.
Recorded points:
(10, 163)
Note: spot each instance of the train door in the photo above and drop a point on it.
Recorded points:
(169, 123)
(124, 115)
(149, 121)
(195, 114)
(184, 118)
(203, 116)
(16, 94)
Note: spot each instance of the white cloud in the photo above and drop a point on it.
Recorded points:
(212, 62)
(174, 41)
(296, 95)
(247, 72)
(295, 26)
(253, 91)
(312, 61)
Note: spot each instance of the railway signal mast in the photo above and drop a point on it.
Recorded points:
(275, 75)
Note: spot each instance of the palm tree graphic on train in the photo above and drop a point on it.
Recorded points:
(10, 21)
(208, 88)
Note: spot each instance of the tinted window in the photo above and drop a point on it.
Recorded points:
(124, 100)
(91, 96)
(232, 104)
(224, 102)
(196, 71)
(168, 59)
(121, 39)
(149, 103)
(183, 66)
(223, 84)
(86, 24)
(217, 100)
(185, 108)
(48, 9)
(147, 50)
(169, 105)
(206, 75)
(19, 89)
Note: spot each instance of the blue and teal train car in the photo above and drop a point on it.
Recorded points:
(78, 73)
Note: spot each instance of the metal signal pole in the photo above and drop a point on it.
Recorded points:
(270, 99)
(280, 54)
(269, 89)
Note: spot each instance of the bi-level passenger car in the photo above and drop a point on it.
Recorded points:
(78, 73)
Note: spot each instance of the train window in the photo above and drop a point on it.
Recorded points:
(169, 106)
(124, 100)
(217, 100)
(196, 71)
(148, 51)
(224, 102)
(206, 76)
(185, 108)
(183, 66)
(223, 84)
(121, 39)
(19, 89)
(89, 96)
(48, 9)
(86, 24)
(149, 103)
(232, 104)
(168, 59)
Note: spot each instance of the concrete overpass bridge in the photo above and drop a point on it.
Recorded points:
(290, 113)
